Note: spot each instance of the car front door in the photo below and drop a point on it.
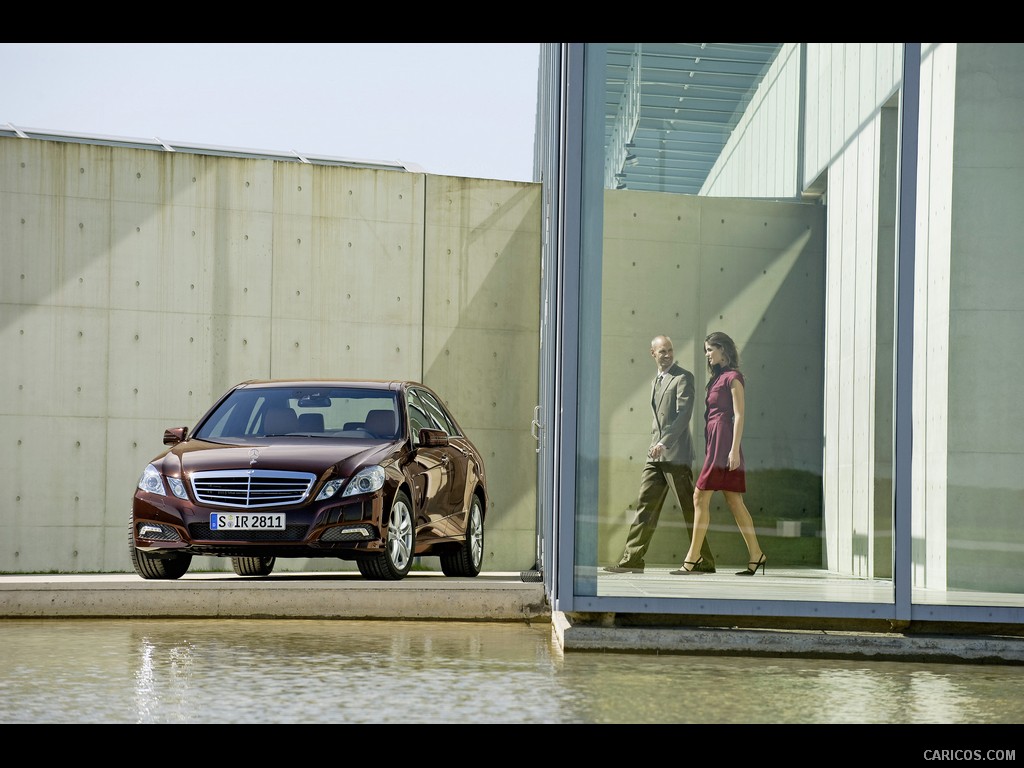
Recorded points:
(431, 469)
(457, 465)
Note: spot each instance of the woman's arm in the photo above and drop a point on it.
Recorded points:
(737, 423)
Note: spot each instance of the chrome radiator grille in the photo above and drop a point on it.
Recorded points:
(250, 488)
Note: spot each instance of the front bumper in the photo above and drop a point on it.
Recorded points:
(332, 528)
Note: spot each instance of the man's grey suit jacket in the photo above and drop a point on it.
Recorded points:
(673, 406)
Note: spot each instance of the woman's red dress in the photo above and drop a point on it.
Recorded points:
(718, 423)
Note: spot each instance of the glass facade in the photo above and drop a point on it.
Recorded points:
(826, 207)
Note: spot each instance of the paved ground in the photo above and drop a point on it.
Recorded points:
(431, 596)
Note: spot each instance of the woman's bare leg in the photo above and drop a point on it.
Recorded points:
(701, 519)
(744, 522)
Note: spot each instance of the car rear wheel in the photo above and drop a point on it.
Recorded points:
(253, 566)
(148, 566)
(470, 556)
(396, 561)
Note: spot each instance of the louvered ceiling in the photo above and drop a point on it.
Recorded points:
(670, 108)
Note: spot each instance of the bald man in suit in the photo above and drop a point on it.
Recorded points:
(668, 462)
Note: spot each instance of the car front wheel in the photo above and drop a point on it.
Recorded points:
(148, 566)
(396, 560)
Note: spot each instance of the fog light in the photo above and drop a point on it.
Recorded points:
(349, 533)
(158, 532)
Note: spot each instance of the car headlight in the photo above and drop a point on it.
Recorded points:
(329, 490)
(177, 487)
(366, 480)
(151, 481)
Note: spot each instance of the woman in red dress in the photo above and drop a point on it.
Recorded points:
(723, 460)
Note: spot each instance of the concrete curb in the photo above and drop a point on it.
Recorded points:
(781, 643)
(488, 597)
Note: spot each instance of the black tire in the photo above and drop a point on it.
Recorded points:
(253, 566)
(470, 556)
(172, 566)
(395, 562)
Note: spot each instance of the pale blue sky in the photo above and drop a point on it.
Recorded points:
(457, 109)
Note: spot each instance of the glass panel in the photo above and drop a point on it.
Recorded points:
(660, 259)
(969, 428)
(791, 241)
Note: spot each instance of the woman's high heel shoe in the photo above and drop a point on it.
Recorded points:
(753, 571)
(684, 571)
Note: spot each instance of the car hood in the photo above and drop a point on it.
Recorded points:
(302, 455)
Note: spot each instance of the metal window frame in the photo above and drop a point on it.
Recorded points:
(575, 220)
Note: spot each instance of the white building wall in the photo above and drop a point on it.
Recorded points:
(985, 437)
(850, 357)
(846, 84)
(760, 159)
(931, 313)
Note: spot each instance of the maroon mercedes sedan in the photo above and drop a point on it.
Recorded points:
(378, 472)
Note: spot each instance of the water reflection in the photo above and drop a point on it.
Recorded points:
(298, 671)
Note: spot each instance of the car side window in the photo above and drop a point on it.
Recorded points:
(421, 414)
(418, 420)
(437, 413)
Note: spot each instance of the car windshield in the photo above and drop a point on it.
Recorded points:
(254, 412)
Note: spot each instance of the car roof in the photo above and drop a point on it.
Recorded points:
(392, 384)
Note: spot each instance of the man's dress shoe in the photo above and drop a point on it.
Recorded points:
(623, 569)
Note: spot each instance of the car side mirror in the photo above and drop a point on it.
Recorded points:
(175, 435)
(433, 438)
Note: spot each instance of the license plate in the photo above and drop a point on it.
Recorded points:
(231, 521)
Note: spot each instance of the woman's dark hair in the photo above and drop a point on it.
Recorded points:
(728, 347)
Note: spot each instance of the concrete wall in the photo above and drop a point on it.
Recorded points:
(139, 285)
